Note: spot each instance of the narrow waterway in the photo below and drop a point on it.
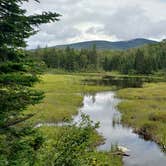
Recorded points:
(102, 108)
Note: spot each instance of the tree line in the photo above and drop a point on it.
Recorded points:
(68, 58)
(145, 60)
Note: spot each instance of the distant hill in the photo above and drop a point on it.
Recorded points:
(106, 45)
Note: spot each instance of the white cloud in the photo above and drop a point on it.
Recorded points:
(96, 19)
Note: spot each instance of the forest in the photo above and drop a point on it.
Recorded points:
(145, 60)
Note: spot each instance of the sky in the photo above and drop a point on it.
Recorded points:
(111, 20)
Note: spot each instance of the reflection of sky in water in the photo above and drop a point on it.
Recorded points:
(102, 108)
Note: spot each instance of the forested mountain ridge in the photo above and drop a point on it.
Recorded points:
(107, 45)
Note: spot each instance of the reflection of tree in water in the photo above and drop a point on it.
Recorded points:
(121, 81)
(94, 98)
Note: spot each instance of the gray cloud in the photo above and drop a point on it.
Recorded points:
(132, 22)
(96, 19)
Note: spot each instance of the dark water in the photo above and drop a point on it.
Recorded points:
(122, 81)
(102, 108)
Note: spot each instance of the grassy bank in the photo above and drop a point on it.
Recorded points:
(63, 97)
(145, 110)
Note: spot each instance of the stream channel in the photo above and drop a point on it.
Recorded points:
(102, 107)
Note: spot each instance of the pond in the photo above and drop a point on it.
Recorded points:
(122, 81)
(102, 108)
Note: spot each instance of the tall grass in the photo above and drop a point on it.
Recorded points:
(145, 110)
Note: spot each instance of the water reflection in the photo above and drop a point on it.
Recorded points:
(122, 81)
(102, 108)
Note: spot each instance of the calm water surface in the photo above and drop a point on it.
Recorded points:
(102, 108)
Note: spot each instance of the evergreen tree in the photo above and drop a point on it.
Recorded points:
(106, 64)
(18, 142)
(139, 62)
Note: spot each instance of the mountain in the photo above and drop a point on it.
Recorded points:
(106, 45)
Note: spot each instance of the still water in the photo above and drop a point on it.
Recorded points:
(122, 81)
(102, 108)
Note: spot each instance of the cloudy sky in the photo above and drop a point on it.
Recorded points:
(111, 20)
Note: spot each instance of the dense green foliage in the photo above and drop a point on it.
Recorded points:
(68, 59)
(145, 60)
(74, 145)
(18, 142)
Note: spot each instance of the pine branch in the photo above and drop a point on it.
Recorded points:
(16, 121)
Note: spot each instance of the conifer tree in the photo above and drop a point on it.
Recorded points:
(18, 142)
